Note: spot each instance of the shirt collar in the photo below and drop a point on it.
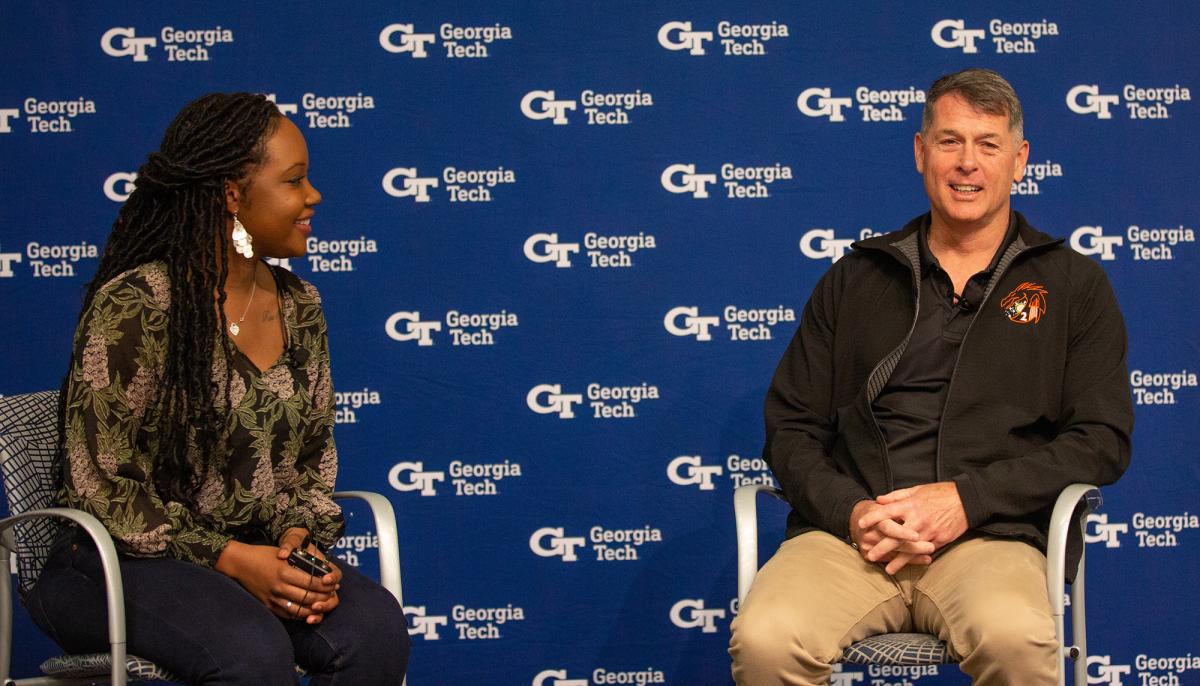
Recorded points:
(929, 261)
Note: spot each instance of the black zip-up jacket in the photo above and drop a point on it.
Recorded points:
(1031, 407)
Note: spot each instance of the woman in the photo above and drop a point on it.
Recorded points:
(197, 422)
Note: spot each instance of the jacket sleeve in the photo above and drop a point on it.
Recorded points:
(1093, 442)
(307, 499)
(799, 421)
(120, 346)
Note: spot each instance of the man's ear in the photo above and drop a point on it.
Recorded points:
(918, 153)
(233, 197)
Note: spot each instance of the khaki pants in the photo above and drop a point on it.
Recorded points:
(984, 596)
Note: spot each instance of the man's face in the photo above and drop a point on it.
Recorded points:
(969, 160)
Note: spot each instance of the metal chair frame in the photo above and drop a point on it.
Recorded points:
(745, 507)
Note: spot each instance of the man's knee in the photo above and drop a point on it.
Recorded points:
(375, 634)
(773, 636)
(1006, 632)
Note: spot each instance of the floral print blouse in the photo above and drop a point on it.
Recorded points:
(279, 437)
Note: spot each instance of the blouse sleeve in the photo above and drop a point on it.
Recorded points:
(308, 498)
(110, 437)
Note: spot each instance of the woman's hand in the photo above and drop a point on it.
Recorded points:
(291, 540)
(287, 592)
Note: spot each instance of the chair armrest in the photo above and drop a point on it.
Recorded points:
(113, 587)
(389, 544)
(745, 517)
(1060, 527)
(1061, 522)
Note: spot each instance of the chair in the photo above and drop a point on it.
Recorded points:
(925, 649)
(28, 457)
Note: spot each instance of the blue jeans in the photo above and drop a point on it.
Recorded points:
(206, 629)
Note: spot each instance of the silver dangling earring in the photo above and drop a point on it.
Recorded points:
(243, 243)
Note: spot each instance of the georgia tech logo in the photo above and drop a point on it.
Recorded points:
(1103, 531)
(687, 470)
(285, 108)
(544, 247)
(123, 42)
(952, 33)
(423, 625)
(416, 330)
(689, 180)
(549, 399)
(119, 186)
(826, 105)
(560, 545)
(818, 244)
(5, 115)
(690, 613)
(693, 323)
(418, 479)
(1090, 240)
(678, 35)
(410, 41)
(1106, 673)
(1026, 304)
(542, 105)
(6, 262)
(557, 677)
(415, 187)
(1092, 102)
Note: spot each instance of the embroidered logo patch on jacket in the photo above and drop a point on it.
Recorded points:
(1026, 304)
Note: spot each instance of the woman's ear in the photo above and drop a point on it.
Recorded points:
(233, 197)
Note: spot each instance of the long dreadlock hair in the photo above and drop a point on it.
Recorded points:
(177, 215)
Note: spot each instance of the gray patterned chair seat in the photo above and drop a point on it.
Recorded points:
(897, 649)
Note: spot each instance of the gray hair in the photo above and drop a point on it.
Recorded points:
(984, 90)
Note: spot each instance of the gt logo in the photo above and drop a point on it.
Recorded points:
(418, 479)
(560, 545)
(693, 323)
(409, 42)
(6, 263)
(555, 401)
(960, 37)
(820, 243)
(115, 194)
(678, 35)
(285, 108)
(1093, 102)
(556, 677)
(415, 187)
(128, 44)
(5, 115)
(550, 249)
(840, 678)
(416, 330)
(1107, 673)
(686, 470)
(1103, 531)
(421, 624)
(689, 180)
(689, 614)
(1090, 240)
(547, 107)
(826, 106)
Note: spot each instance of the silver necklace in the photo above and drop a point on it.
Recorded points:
(234, 329)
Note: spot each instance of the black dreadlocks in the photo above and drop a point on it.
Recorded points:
(177, 215)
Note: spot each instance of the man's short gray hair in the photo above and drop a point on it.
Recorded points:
(984, 90)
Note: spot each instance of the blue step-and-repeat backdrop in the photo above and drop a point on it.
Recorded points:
(563, 246)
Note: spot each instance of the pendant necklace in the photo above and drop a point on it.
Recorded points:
(234, 329)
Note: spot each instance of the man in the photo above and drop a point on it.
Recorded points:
(946, 382)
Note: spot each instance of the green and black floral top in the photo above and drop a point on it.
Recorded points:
(281, 456)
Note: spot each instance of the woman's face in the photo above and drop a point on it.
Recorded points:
(277, 205)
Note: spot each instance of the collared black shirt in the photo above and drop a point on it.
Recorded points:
(909, 408)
